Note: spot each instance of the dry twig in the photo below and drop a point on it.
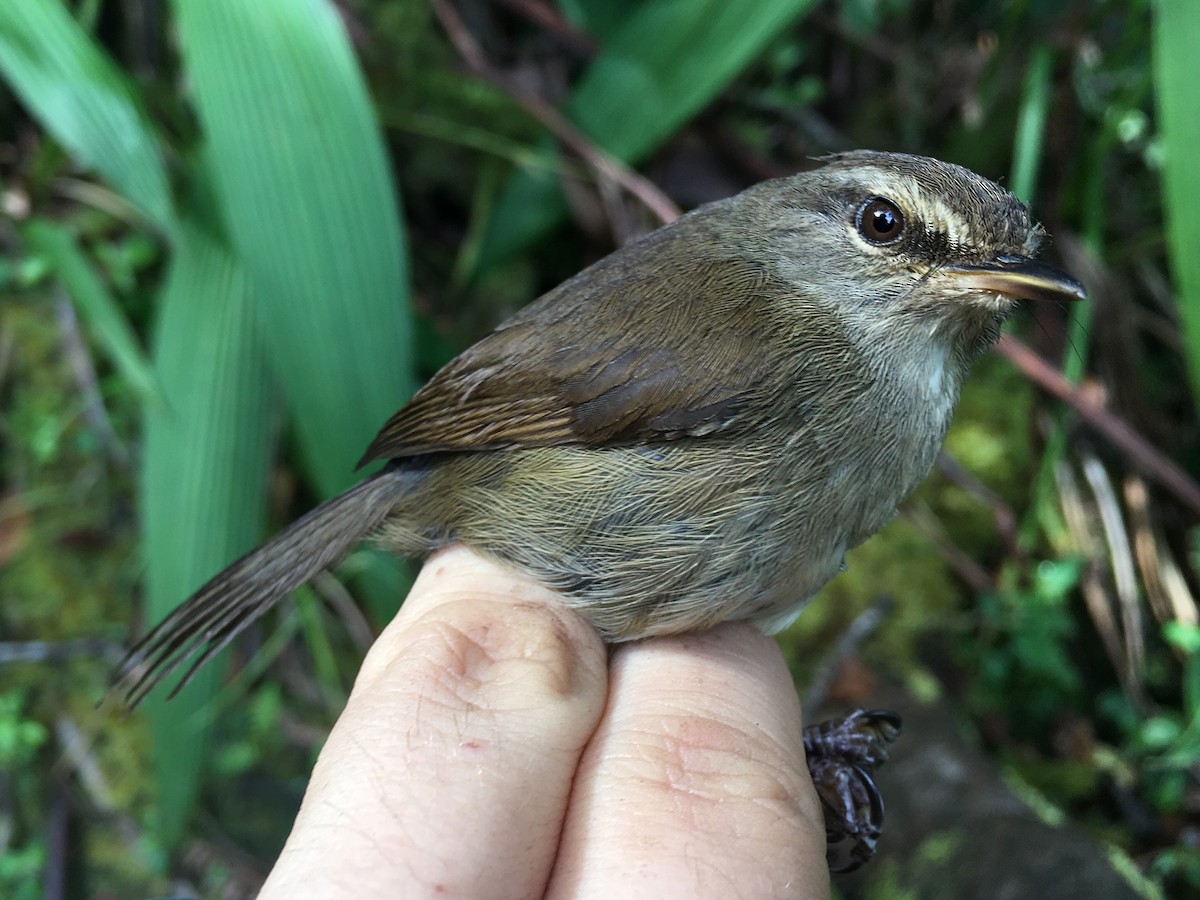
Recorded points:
(1117, 430)
(605, 165)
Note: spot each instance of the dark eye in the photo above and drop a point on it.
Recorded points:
(880, 221)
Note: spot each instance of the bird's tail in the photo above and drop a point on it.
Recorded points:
(213, 616)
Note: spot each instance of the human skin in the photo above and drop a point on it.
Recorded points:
(494, 747)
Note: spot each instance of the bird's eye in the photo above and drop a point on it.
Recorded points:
(880, 221)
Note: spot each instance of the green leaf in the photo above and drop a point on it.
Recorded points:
(1176, 37)
(1054, 580)
(1182, 635)
(300, 175)
(309, 294)
(203, 488)
(669, 59)
(99, 308)
(1031, 124)
(80, 97)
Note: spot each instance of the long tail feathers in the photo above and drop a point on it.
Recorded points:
(212, 617)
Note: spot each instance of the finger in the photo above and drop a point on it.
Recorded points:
(449, 771)
(695, 783)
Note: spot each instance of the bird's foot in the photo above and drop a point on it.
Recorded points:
(842, 754)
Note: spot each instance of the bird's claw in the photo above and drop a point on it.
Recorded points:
(842, 754)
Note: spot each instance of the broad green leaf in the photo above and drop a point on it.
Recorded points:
(1176, 37)
(100, 310)
(203, 488)
(77, 93)
(669, 59)
(310, 294)
(302, 181)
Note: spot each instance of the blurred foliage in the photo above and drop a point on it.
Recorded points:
(196, 279)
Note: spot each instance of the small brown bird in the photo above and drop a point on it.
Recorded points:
(697, 427)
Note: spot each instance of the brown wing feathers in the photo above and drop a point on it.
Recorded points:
(542, 380)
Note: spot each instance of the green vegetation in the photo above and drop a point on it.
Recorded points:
(211, 296)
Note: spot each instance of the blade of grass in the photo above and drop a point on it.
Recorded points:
(300, 174)
(1044, 509)
(308, 609)
(69, 85)
(462, 134)
(1028, 144)
(204, 476)
(1176, 37)
(1031, 124)
(669, 59)
(101, 311)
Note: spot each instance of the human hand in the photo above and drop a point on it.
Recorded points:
(494, 747)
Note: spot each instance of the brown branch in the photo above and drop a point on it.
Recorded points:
(549, 18)
(856, 634)
(1120, 433)
(1005, 516)
(961, 563)
(59, 651)
(604, 164)
(80, 359)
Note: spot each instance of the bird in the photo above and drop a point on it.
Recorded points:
(695, 428)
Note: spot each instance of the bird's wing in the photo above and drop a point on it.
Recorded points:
(644, 346)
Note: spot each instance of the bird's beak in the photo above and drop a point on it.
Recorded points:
(1018, 277)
